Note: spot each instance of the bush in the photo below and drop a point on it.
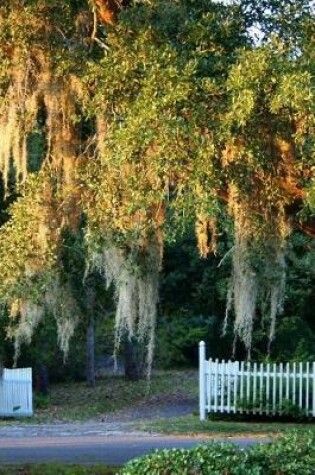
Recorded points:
(286, 411)
(41, 401)
(291, 454)
(213, 458)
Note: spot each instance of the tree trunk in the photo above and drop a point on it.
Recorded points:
(135, 359)
(42, 379)
(90, 339)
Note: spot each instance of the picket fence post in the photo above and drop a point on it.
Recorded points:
(202, 380)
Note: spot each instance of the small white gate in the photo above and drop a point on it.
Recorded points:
(16, 398)
(256, 388)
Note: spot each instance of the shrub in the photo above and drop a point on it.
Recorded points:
(204, 459)
(41, 401)
(287, 411)
(291, 454)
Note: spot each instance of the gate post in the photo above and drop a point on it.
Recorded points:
(202, 379)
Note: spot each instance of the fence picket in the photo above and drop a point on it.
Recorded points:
(247, 384)
(294, 383)
(261, 387)
(267, 388)
(242, 386)
(235, 385)
(307, 399)
(208, 384)
(216, 384)
(274, 387)
(280, 385)
(301, 385)
(229, 375)
(255, 388)
(222, 385)
(287, 393)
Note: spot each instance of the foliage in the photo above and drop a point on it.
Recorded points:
(294, 340)
(290, 454)
(285, 18)
(45, 352)
(31, 265)
(41, 401)
(300, 280)
(39, 112)
(159, 90)
(271, 147)
(156, 86)
(192, 285)
(284, 411)
(192, 303)
(294, 332)
(215, 458)
(177, 336)
(167, 114)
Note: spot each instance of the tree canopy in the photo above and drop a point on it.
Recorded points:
(153, 114)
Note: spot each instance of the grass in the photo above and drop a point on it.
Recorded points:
(57, 469)
(191, 425)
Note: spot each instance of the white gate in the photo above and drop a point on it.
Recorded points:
(16, 398)
(257, 388)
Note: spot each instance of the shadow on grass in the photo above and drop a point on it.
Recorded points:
(58, 469)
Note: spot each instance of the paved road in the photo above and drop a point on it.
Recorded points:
(111, 449)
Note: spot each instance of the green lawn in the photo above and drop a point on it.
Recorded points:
(192, 425)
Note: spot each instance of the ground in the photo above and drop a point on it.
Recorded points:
(121, 421)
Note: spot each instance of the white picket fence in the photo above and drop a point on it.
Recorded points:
(16, 397)
(257, 388)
